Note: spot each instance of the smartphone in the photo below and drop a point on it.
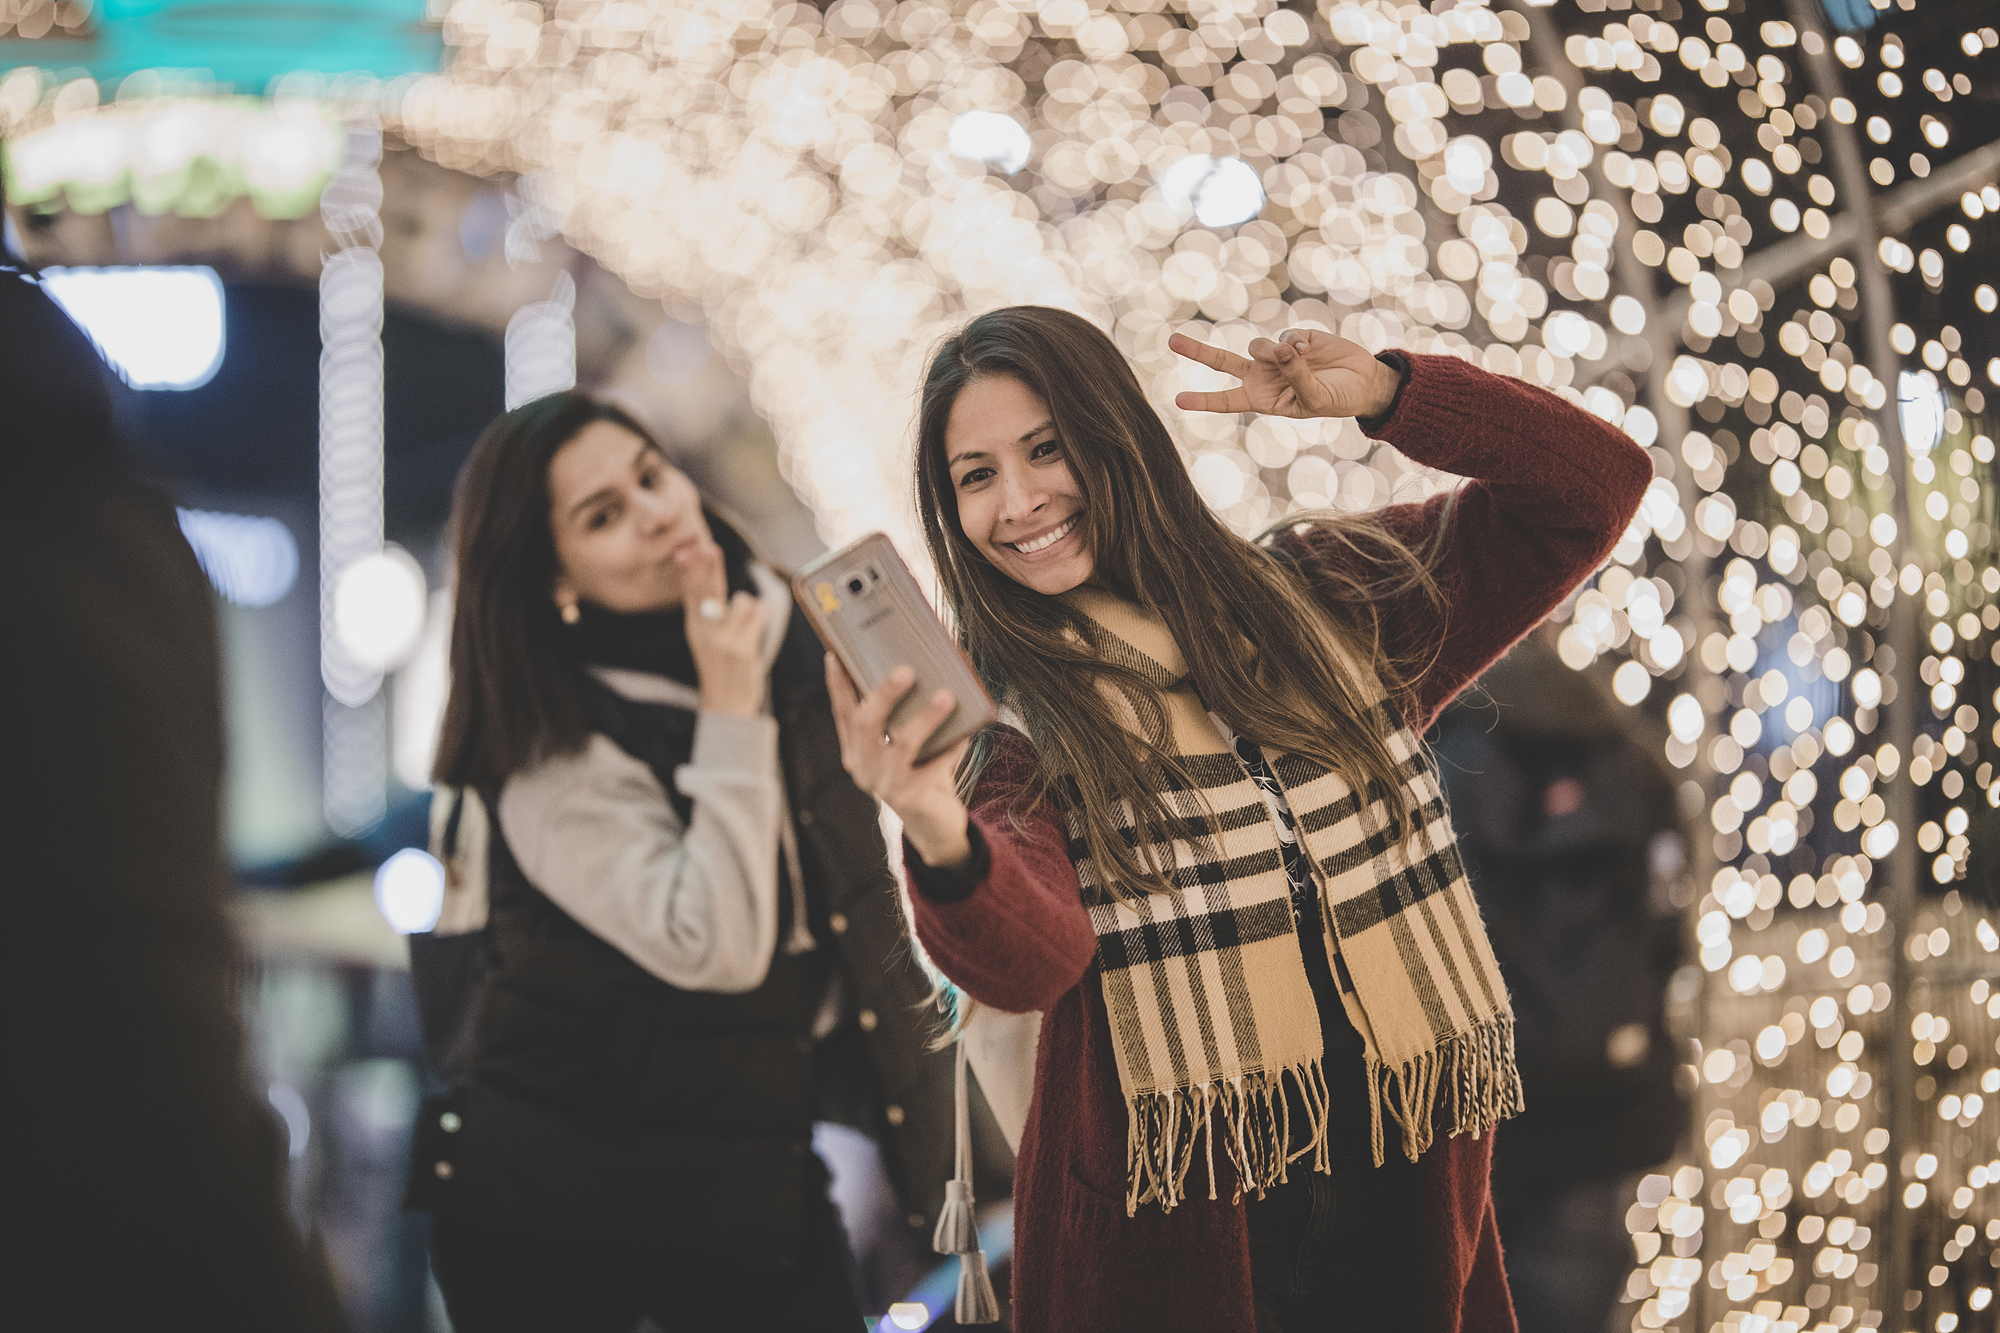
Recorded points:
(867, 608)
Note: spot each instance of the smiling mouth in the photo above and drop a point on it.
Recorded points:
(1047, 539)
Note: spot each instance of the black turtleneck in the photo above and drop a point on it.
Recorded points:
(652, 641)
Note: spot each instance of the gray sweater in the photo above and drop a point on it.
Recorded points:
(696, 905)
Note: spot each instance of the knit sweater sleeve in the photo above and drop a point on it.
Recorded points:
(1016, 936)
(1551, 489)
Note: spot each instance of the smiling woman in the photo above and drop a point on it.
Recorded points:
(1211, 852)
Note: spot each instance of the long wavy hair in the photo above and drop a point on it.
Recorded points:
(1261, 649)
(517, 685)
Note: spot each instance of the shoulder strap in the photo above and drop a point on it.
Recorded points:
(460, 838)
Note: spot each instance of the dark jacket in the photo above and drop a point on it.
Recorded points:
(599, 1097)
(142, 1180)
(1573, 843)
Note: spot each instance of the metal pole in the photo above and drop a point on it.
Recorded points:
(1876, 313)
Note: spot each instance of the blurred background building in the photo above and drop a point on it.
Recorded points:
(325, 243)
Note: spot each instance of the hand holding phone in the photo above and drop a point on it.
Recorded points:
(905, 698)
(883, 760)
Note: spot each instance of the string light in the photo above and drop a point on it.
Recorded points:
(355, 758)
(834, 194)
(1808, 590)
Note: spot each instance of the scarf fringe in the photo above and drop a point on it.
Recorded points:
(1474, 1072)
(1255, 1131)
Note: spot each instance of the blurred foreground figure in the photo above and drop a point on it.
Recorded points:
(143, 1181)
(1571, 840)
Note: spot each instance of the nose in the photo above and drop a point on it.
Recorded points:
(1020, 497)
(656, 510)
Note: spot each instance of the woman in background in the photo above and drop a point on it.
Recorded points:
(1274, 1040)
(694, 939)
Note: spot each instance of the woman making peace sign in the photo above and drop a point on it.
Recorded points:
(1274, 1038)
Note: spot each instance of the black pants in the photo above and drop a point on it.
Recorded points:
(498, 1282)
(1332, 1253)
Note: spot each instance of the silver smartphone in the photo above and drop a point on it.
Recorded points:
(867, 608)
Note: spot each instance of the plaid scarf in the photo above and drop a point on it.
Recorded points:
(1209, 1006)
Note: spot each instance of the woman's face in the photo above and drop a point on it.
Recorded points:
(1017, 502)
(618, 514)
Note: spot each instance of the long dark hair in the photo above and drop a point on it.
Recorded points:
(517, 688)
(1260, 649)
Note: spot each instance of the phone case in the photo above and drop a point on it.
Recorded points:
(867, 608)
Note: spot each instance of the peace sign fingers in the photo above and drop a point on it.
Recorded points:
(1215, 358)
(1243, 398)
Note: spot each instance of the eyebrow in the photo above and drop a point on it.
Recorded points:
(965, 454)
(605, 492)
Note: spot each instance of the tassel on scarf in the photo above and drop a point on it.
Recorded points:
(976, 1302)
(957, 1229)
(1251, 1115)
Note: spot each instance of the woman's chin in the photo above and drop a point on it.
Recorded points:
(1055, 579)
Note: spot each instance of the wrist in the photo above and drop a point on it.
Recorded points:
(1392, 375)
(731, 704)
(1387, 384)
(940, 836)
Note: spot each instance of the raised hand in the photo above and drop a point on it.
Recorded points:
(1306, 373)
(884, 763)
(725, 645)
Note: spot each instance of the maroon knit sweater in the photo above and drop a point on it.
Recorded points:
(1552, 489)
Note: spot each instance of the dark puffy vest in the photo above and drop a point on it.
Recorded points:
(598, 1097)
(577, 1027)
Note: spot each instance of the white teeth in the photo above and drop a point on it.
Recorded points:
(1046, 540)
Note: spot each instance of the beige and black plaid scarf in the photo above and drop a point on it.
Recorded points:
(1209, 1005)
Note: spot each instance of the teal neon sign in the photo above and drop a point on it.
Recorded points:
(246, 46)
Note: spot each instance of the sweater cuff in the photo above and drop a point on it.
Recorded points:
(733, 744)
(1399, 363)
(956, 884)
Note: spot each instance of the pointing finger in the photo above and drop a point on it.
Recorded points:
(703, 575)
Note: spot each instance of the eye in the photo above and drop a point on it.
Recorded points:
(1048, 448)
(974, 477)
(598, 518)
(651, 478)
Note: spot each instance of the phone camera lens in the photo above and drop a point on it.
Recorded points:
(855, 586)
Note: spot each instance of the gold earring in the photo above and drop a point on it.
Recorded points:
(571, 613)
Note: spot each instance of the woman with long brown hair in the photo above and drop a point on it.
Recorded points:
(694, 949)
(1210, 850)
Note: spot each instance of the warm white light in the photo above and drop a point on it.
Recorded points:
(909, 1314)
(1222, 191)
(1685, 718)
(409, 891)
(540, 347)
(1465, 162)
(1566, 333)
(251, 561)
(1920, 407)
(1627, 314)
(1631, 683)
(378, 608)
(988, 136)
(161, 328)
